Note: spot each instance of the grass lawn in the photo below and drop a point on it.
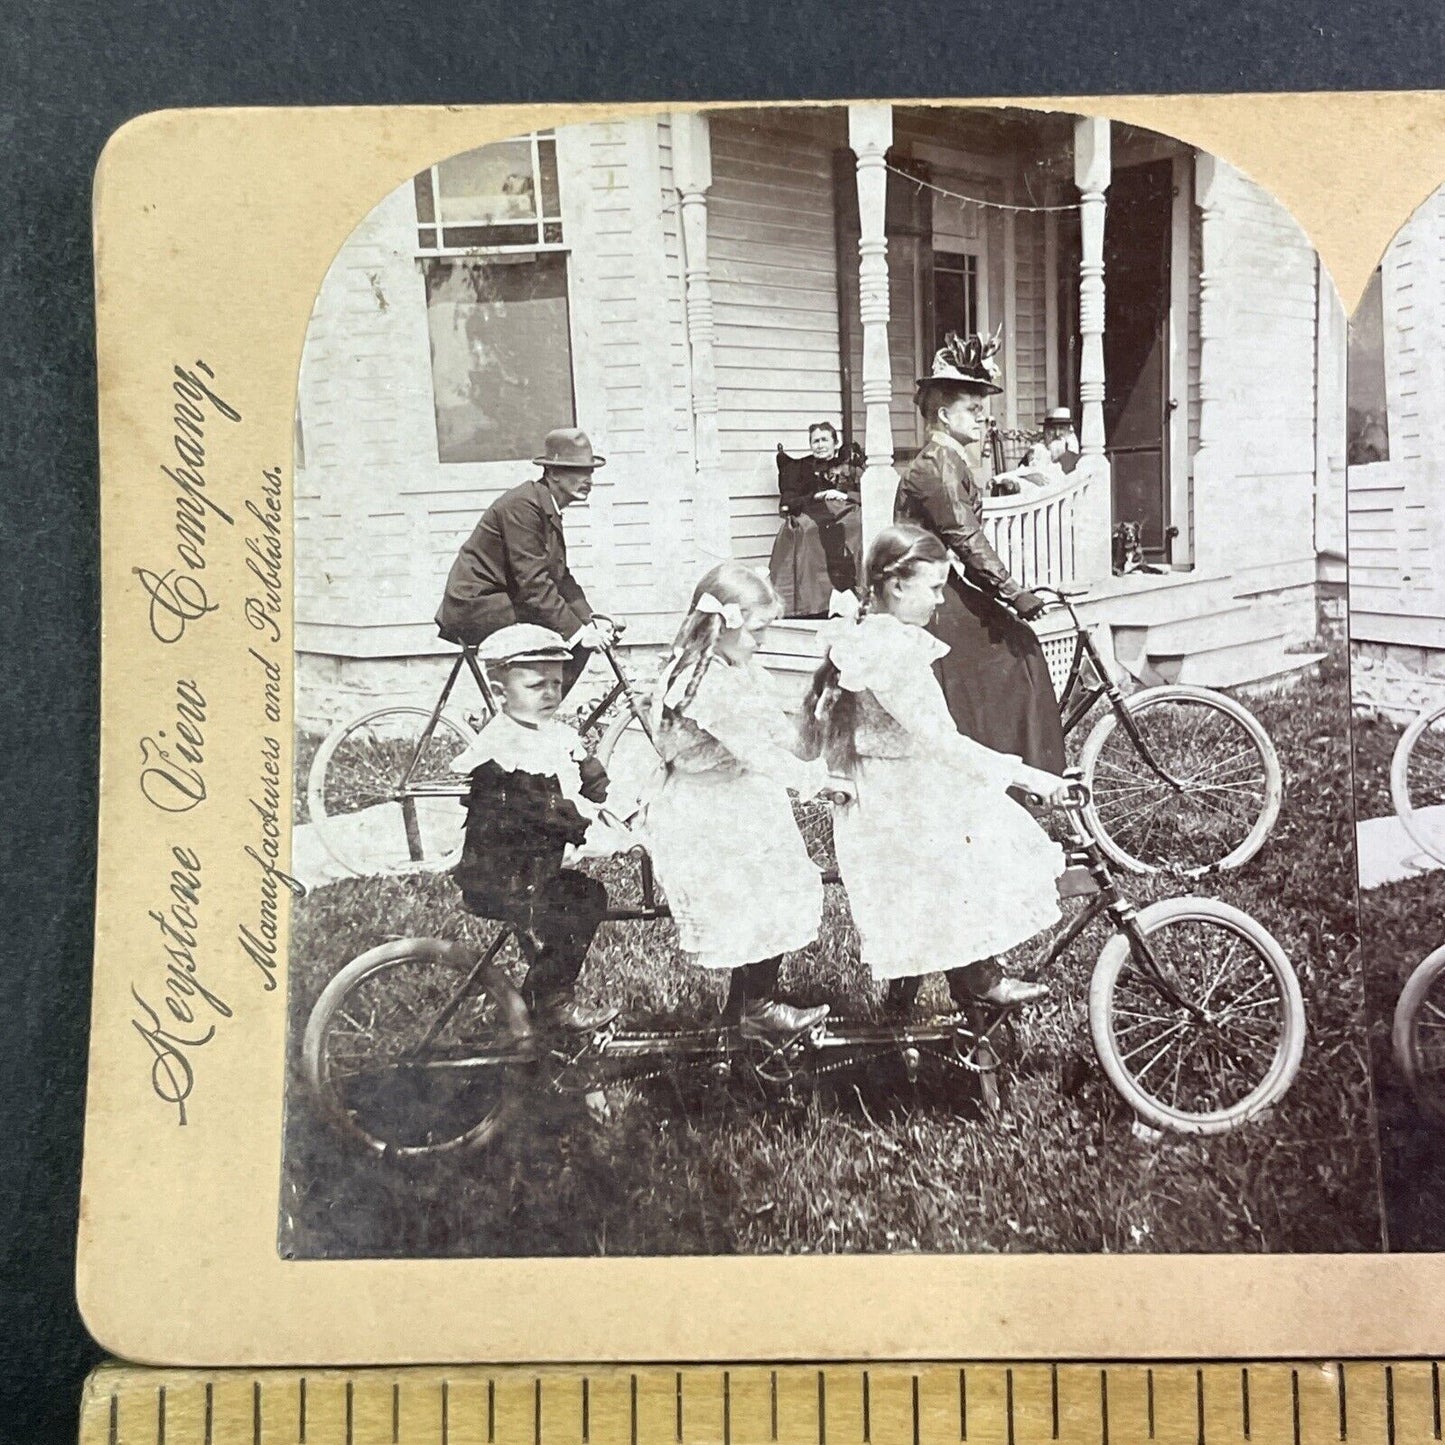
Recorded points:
(872, 1163)
(1399, 924)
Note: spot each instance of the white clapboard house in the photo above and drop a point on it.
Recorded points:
(1396, 455)
(694, 289)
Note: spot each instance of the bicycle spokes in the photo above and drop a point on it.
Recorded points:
(384, 796)
(1430, 1043)
(1202, 1042)
(1418, 783)
(400, 1091)
(1188, 794)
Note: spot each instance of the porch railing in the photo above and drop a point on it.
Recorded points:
(1038, 533)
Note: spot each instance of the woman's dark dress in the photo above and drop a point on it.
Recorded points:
(995, 677)
(818, 546)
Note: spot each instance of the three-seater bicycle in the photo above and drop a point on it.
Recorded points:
(422, 1046)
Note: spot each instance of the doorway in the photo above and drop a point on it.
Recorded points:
(1138, 236)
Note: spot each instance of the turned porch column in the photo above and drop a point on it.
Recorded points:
(870, 133)
(1091, 175)
(692, 174)
(1092, 171)
(1209, 458)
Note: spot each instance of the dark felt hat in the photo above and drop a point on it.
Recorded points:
(569, 447)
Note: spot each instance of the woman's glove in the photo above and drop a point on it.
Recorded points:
(1028, 605)
(594, 780)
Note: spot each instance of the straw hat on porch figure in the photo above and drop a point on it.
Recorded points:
(994, 676)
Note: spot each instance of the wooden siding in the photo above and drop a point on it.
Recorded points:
(1029, 322)
(1397, 508)
(1196, 265)
(380, 518)
(775, 288)
(1261, 512)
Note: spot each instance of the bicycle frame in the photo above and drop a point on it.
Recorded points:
(1077, 699)
(1088, 875)
(408, 792)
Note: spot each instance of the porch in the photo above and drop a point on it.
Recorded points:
(1170, 627)
(826, 254)
(945, 220)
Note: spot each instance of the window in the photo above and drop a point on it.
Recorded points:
(499, 195)
(1369, 420)
(489, 226)
(501, 354)
(955, 295)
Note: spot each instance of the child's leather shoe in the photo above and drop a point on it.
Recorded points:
(767, 1018)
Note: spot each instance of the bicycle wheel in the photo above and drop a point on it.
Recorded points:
(1228, 1048)
(1419, 1034)
(1226, 785)
(376, 1077)
(1417, 782)
(631, 761)
(366, 792)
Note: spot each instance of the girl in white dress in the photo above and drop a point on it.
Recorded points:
(736, 872)
(943, 869)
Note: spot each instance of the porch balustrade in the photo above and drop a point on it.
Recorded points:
(1039, 533)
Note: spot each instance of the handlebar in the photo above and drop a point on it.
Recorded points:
(1076, 796)
(1061, 599)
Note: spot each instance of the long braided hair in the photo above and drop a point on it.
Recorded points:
(830, 712)
(728, 585)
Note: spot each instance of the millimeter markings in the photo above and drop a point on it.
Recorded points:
(1379, 1402)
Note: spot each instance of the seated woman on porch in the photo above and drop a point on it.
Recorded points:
(818, 546)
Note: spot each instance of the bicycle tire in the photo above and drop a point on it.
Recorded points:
(1109, 1019)
(631, 760)
(1429, 840)
(1253, 741)
(379, 843)
(345, 1106)
(1426, 1085)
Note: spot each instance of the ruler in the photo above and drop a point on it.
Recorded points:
(985, 1403)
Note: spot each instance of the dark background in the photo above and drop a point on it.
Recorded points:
(70, 73)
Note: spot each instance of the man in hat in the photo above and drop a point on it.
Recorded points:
(513, 567)
(1061, 441)
(1049, 461)
(995, 677)
(533, 793)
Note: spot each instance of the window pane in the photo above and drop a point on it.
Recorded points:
(477, 236)
(426, 238)
(955, 295)
(547, 163)
(488, 185)
(1369, 423)
(501, 355)
(425, 212)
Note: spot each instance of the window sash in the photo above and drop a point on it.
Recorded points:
(459, 236)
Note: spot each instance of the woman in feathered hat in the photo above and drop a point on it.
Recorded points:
(994, 677)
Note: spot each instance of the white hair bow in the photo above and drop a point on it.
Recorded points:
(730, 612)
(844, 605)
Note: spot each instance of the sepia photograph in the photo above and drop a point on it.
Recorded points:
(1397, 656)
(822, 662)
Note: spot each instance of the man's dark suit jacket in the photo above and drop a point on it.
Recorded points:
(513, 568)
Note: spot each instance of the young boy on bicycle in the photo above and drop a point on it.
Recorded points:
(534, 794)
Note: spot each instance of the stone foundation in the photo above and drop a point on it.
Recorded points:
(1395, 682)
(1332, 611)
